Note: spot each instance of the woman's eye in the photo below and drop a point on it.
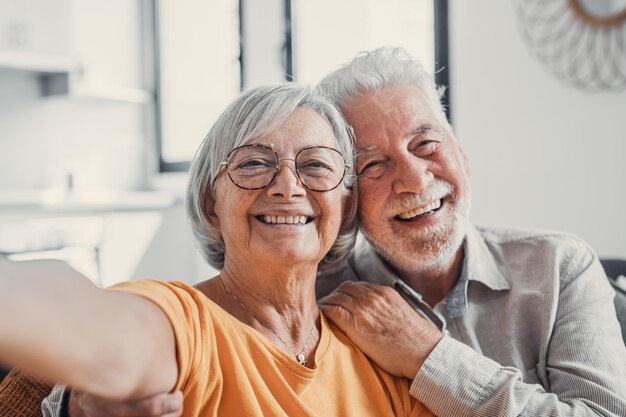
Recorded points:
(315, 164)
(254, 164)
(315, 168)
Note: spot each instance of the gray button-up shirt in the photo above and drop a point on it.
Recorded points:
(530, 328)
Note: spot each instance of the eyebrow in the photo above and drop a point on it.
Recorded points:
(366, 149)
(424, 128)
(419, 130)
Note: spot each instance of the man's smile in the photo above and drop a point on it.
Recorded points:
(426, 210)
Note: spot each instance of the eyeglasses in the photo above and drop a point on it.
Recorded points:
(318, 168)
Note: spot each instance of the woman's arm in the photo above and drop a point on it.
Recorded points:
(57, 325)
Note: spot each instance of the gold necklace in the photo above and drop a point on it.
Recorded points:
(300, 357)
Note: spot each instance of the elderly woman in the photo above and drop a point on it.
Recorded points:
(269, 199)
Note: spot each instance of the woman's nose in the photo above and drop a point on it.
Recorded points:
(286, 182)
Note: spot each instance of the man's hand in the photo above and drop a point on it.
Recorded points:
(161, 405)
(383, 325)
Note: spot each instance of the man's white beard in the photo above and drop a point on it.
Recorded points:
(432, 248)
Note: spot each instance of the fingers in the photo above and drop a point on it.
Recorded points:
(360, 289)
(354, 295)
(161, 405)
(346, 303)
(338, 314)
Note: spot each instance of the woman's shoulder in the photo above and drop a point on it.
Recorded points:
(172, 296)
(152, 286)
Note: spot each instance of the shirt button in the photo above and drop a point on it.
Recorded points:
(446, 332)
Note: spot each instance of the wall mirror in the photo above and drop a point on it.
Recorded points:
(600, 12)
(581, 41)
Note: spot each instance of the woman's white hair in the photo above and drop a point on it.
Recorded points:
(371, 71)
(257, 113)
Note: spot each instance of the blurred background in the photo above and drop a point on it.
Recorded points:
(102, 105)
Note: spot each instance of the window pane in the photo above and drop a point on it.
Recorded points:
(328, 33)
(199, 70)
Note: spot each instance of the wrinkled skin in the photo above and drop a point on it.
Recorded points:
(383, 325)
(161, 405)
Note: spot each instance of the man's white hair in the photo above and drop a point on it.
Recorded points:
(371, 71)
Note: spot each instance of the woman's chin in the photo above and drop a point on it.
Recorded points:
(288, 255)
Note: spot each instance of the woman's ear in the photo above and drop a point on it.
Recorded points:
(349, 207)
(211, 214)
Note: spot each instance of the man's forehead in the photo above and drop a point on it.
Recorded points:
(386, 99)
(421, 129)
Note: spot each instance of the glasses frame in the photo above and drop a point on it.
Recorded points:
(226, 161)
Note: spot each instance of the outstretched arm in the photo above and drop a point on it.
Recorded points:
(57, 325)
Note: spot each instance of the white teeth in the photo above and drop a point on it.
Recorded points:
(285, 219)
(414, 213)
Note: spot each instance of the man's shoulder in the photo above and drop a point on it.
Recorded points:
(531, 238)
(534, 248)
(329, 279)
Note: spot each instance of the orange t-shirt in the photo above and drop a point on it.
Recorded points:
(229, 369)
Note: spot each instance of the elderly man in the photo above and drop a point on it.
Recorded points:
(486, 322)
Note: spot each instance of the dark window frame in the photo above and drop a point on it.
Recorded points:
(442, 53)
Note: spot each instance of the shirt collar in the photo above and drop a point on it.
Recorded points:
(481, 263)
(478, 265)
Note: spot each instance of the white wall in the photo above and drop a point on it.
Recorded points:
(543, 154)
(100, 142)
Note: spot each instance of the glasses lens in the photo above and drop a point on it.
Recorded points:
(320, 169)
(252, 166)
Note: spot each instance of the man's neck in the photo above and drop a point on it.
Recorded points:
(434, 284)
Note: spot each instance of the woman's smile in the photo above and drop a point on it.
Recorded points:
(296, 220)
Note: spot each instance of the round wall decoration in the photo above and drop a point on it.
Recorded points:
(581, 41)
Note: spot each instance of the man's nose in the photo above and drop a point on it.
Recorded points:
(411, 175)
(286, 182)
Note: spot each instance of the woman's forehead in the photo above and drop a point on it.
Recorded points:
(302, 128)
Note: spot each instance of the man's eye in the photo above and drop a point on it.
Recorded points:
(372, 169)
(426, 147)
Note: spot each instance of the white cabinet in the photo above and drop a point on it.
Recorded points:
(38, 27)
(80, 48)
(35, 36)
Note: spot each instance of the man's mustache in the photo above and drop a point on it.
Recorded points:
(438, 189)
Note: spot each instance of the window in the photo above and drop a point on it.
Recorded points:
(198, 73)
(200, 55)
(327, 33)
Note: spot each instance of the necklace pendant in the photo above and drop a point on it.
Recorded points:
(301, 358)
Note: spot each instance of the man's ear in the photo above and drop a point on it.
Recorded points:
(465, 161)
(211, 214)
